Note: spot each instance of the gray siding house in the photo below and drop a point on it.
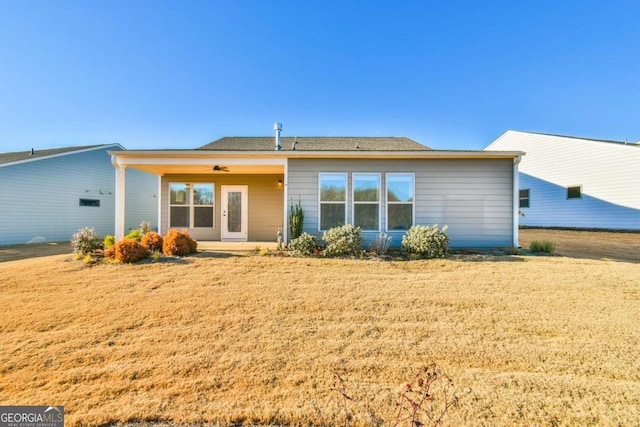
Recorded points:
(242, 188)
(576, 182)
(47, 195)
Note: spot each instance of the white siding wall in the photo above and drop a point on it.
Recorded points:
(609, 174)
(474, 198)
(39, 200)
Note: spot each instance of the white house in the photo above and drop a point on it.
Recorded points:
(47, 195)
(242, 188)
(576, 182)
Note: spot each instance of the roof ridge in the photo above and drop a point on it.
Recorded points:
(580, 137)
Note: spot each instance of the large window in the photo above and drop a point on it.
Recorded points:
(524, 198)
(333, 199)
(191, 205)
(366, 201)
(400, 195)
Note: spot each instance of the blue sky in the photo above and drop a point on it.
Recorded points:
(449, 74)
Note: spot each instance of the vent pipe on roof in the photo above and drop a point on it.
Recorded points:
(32, 152)
(278, 128)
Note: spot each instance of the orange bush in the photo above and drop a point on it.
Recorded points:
(152, 241)
(178, 243)
(127, 250)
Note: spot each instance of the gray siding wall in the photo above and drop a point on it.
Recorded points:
(608, 173)
(474, 198)
(265, 200)
(39, 200)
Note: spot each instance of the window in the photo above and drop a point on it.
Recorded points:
(94, 203)
(366, 201)
(400, 194)
(574, 192)
(333, 199)
(191, 205)
(524, 198)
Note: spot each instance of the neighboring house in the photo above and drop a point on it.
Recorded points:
(576, 182)
(47, 195)
(242, 188)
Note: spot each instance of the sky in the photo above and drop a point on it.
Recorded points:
(453, 75)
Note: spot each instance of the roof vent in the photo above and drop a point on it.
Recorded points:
(32, 152)
(295, 142)
(278, 128)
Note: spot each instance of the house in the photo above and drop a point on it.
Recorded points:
(576, 182)
(47, 195)
(242, 188)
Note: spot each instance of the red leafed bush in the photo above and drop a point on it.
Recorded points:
(127, 250)
(178, 243)
(152, 241)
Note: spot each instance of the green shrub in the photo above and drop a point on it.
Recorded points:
(108, 241)
(85, 241)
(135, 234)
(178, 243)
(423, 241)
(145, 227)
(543, 246)
(152, 241)
(127, 251)
(296, 220)
(343, 240)
(304, 245)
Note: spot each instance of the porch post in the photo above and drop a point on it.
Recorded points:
(516, 202)
(120, 198)
(285, 224)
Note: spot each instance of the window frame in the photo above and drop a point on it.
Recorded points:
(320, 202)
(527, 198)
(88, 203)
(190, 204)
(387, 202)
(354, 202)
(569, 188)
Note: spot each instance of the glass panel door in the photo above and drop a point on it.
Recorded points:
(234, 212)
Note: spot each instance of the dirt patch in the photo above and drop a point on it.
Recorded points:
(602, 245)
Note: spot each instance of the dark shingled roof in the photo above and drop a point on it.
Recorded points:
(330, 143)
(18, 156)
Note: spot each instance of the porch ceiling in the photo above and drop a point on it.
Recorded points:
(224, 169)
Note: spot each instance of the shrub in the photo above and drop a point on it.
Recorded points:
(304, 245)
(296, 220)
(152, 241)
(135, 234)
(127, 250)
(85, 240)
(108, 241)
(381, 244)
(178, 243)
(543, 246)
(426, 242)
(145, 227)
(343, 240)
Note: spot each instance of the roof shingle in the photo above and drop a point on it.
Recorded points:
(267, 143)
(18, 156)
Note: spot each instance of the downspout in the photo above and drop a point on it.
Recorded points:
(516, 202)
(120, 197)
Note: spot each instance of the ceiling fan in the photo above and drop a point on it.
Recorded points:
(218, 168)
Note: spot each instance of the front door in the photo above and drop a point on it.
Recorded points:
(234, 212)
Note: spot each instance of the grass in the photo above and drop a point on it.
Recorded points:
(546, 246)
(230, 338)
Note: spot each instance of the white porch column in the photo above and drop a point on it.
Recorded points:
(120, 198)
(285, 224)
(516, 202)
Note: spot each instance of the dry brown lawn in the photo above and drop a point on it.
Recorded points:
(237, 338)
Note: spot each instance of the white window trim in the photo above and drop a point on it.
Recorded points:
(387, 203)
(320, 202)
(191, 204)
(354, 202)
